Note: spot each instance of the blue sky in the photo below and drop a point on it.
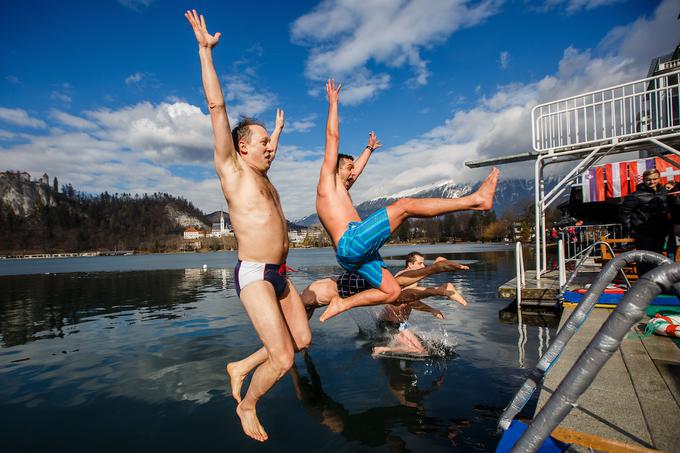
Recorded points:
(107, 95)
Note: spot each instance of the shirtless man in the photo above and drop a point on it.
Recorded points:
(242, 159)
(321, 292)
(357, 242)
(394, 318)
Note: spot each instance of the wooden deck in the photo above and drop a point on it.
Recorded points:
(635, 397)
(546, 290)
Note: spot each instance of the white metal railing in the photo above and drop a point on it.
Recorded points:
(579, 237)
(645, 107)
(519, 269)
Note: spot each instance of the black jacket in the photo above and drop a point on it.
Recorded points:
(645, 211)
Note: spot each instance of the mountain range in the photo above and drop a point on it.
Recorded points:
(511, 194)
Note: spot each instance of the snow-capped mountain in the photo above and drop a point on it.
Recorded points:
(510, 194)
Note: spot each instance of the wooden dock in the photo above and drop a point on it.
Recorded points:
(635, 398)
(546, 290)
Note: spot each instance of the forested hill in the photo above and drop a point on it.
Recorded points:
(38, 216)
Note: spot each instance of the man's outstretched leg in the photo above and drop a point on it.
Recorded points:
(298, 325)
(263, 308)
(405, 208)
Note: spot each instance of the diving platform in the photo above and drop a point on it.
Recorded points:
(544, 291)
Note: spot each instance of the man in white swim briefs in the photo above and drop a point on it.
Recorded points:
(242, 159)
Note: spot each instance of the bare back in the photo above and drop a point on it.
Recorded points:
(256, 214)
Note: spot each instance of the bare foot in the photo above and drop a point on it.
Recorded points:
(250, 423)
(377, 350)
(444, 265)
(335, 307)
(485, 193)
(236, 377)
(454, 294)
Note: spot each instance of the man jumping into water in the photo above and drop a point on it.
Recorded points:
(242, 159)
(321, 292)
(357, 242)
(394, 318)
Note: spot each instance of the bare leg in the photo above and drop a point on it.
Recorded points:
(265, 313)
(404, 342)
(441, 264)
(455, 296)
(481, 200)
(388, 292)
(298, 325)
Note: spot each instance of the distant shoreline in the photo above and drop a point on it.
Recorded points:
(32, 256)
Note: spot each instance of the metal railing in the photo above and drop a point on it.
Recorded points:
(519, 271)
(645, 107)
(577, 318)
(580, 237)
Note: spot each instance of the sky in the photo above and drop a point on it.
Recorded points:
(107, 95)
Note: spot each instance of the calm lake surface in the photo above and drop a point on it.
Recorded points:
(128, 354)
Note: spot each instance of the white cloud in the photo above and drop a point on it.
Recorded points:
(575, 6)
(65, 98)
(71, 120)
(504, 59)
(13, 79)
(136, 5)
(244, 99)
(302, 125)
(134, 78)
(19, 117)
(344, 36)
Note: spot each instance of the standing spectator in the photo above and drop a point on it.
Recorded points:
(644, 213)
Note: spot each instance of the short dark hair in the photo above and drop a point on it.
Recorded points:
(411, 257)
(242, 130)
(651, 171)
(342, 156)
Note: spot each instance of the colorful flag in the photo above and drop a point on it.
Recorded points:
(617, 179)
(669, 172)
(638, 167)
(593, 185)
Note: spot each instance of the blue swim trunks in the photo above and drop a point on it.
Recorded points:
(358, 247)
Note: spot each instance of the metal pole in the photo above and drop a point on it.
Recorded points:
(561, 264)
(607, 340)
(578, 316)
(537, 215)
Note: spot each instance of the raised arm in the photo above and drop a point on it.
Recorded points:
(274, 139)
(225, 153)
(362, 160)
(330, 160)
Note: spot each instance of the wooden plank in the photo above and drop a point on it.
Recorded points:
(598, 443)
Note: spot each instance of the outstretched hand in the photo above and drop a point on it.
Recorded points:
(204, 38)
(332, 90)
(373, 141)
(279, 119)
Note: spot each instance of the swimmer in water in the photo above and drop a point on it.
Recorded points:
(394, 318)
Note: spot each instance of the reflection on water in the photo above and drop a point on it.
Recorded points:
(107, 361)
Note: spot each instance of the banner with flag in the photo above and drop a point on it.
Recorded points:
(593, 185)
(617, 179)
(668, 171)
(638, 167)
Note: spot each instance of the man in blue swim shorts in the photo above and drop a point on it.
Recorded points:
(358, 242)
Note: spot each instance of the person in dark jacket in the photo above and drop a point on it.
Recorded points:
(644, 213)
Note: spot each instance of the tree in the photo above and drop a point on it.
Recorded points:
(55, 185)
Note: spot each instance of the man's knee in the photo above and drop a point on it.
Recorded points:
(282, 361)
(303, 340)
(393, 292)
(400, 207)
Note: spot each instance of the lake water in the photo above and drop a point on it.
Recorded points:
(128, 354)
